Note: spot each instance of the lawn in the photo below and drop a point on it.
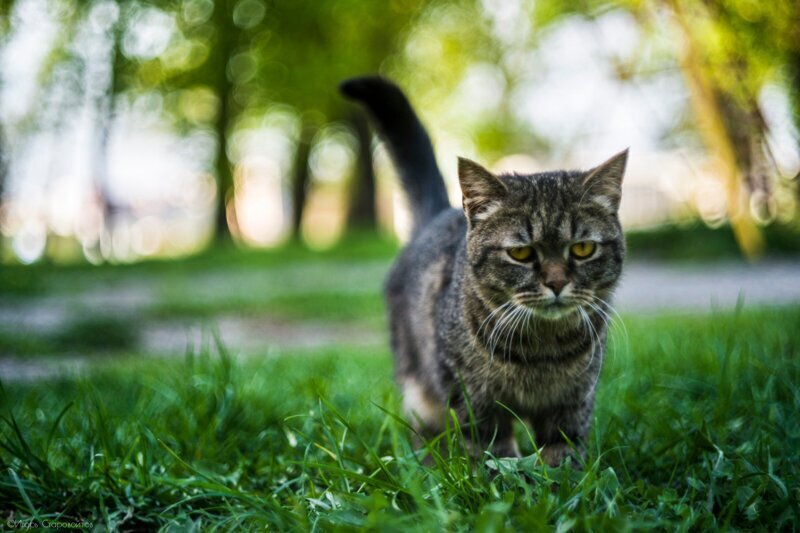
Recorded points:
(697, 426)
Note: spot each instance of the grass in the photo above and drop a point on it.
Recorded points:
(696, 242)
(331, 305)
(110, 309)
(93, 333)
(697, 427)
(697, 424)
(692, 242)
(18, 280)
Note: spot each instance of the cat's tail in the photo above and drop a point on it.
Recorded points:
(408, 142)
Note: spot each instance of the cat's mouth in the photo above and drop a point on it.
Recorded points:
(552, 309)
(555, 309)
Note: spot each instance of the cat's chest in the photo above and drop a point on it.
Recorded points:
(534, 387)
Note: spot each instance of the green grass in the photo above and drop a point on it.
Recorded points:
(93, 333)
(697, 427)
(110, 308)
(697, 423)
(315, 306)
(697, 242)
(88, 334)
(25, 280)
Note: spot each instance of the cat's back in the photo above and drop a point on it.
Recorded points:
(419, 281)
(427, 259)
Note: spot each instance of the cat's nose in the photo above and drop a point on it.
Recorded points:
(556, 285)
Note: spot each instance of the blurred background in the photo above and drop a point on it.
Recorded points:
(139, 129)
(170, 166)
(195, 228)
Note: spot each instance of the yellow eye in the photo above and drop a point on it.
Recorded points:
(522, 253)
(582, 250)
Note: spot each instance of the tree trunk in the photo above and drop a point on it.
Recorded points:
(223, 88)
(106, 108)
(361, 213)
(5, 15)
(707, 101)
(4, 162)
(225, 192)
(794, 94)
(747, 132)
(301, 177)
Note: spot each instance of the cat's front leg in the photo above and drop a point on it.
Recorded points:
(494, 433)
(561, 432)
(507, 447)
(554, 454)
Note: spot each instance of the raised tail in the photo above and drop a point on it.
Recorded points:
(408, 142)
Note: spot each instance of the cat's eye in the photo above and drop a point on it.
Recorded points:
(521, 253)
(582, 250)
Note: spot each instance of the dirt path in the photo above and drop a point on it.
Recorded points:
(655, 287)
(646, 287)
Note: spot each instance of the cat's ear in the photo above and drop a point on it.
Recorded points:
(603, 184)
(480, 189)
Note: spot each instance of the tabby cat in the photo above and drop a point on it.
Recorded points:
(504, 304)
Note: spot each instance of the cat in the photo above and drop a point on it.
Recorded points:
(501, 306)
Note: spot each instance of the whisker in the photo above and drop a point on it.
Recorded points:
(510, 331)
(486, 320)
(497, 330)
(601, 313)
(516, 325)
(619, 323)
(504, 333)
(591, 389)
(490, 315)
(530, 317)
(593, 334)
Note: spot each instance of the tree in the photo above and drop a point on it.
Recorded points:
(59, 88)
(728, 50)
(731, 50)
(227, 38)
(211, 34)
(6, 8)
(307, 50)
(297, 53)
(362, 205)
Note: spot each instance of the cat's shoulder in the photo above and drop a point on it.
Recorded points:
(442, 235)
(439, 242)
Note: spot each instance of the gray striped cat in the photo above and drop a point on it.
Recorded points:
(505, 301)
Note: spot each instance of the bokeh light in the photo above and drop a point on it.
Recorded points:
(122, 121)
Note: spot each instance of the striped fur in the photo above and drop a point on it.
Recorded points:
(470, 323)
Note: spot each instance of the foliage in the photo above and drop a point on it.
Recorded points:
(697, 242)
(219, 67)
(95, 333)
(696, 427)
(84, 335)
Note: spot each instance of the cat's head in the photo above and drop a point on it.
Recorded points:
(551, 241)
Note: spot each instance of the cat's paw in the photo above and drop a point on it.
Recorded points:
(555, 454)
(506, 448)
